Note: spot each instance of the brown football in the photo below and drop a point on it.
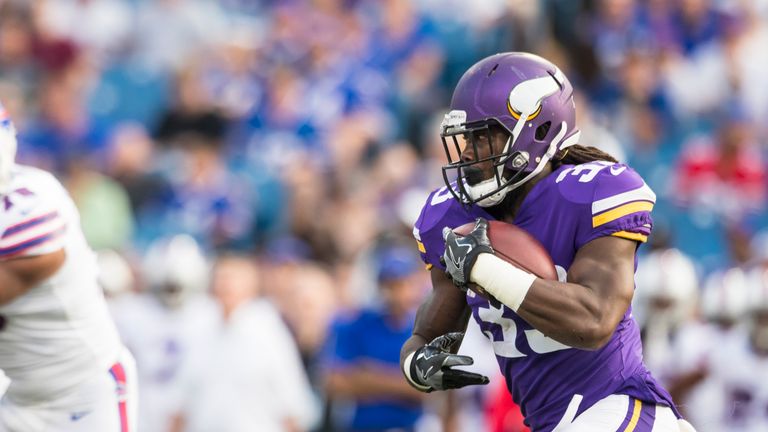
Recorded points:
(516, 246)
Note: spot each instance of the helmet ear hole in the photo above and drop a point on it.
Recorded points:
(542, 130)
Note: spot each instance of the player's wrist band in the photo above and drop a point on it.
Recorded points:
(507, 283)
(408, 370)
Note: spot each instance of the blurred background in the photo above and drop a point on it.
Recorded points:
(276, 153)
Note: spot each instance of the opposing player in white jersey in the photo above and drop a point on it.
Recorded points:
(161, 324)
(58, 345)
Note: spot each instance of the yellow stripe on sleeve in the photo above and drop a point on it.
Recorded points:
(429, 266)
(422, 249)
(642, 238)
(620, 211)
(635, 416)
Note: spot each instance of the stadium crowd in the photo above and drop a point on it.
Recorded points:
(281, 150)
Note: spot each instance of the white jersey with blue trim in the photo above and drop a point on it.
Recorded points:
(60, 332)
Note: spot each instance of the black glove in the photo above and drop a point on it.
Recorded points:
(431, 366)
(461, 252)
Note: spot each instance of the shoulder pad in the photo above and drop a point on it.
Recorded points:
(597, 181)
(616, 199)
(440, 210)
(30, 218)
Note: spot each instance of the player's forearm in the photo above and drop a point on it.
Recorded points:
(583, 312)
(568, 313)
(18, 275)
(11, 287)
(412, 344)
(445, 310)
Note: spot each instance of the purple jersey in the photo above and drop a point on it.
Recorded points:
(564, 211)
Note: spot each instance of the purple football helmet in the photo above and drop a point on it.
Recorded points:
(526, 95)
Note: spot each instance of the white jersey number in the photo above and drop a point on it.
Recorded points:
(441, 196)
(506, 346)
(588, 171)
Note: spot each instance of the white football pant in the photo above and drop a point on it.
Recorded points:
(104, 403)
(621, 413)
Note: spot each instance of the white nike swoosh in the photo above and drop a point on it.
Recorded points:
(456, 262)
(426, 374)
(618, 171)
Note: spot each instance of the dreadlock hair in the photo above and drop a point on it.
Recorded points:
(578, 154)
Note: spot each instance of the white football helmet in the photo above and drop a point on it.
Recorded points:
(665, 277)
(725, 296)
(115, 274)
(758, 308)
(8, 145)
(175, 269)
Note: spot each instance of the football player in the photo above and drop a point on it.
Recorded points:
(737, 375)
(570, 350)
(58, 345)
(667, 290)
(160, 325)
(706, 353)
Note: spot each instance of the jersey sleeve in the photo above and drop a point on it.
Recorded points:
(31, 224)
(440, 210)
(422, 233)
(621, 206)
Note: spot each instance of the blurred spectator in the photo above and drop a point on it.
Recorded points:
(364, 354)
(170, 32)
(17, 46)
(724, 175)
(102, 27)
(131, 162)
(208, 201)
(724, 71)
(63, 132)
(594, 133)
(308, 305)
(243, 372)
(193, 111)
(615, 32)
(395, 169)
(415, 98)
(232, 75)
(696, 23)
(105, 208)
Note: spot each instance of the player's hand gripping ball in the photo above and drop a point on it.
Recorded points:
(461, 252)
(510, 243)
